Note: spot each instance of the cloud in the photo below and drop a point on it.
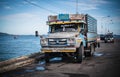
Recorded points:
(118, 10)
(99, 1)
(116, 19)
(7, 7)
(111, 23)
(19, 16)
(26, 2)
(92, 4)
(24, 23)
(3, 3)
(86, 4)
(104, 23)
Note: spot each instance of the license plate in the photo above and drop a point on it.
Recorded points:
(56, 50)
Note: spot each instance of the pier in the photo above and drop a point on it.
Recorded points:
(15, 63)
(104, 63)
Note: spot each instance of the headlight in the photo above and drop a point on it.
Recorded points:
(70, 41)
(51, 39)
(44, 42)
(63, 39)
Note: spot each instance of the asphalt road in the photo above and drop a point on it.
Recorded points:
(104, 63)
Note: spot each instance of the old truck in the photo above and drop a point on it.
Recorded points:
(70, 35)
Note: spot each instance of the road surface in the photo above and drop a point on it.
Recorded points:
(104, 63)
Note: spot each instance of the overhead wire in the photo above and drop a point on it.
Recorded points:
(49, 9)
(40, 6)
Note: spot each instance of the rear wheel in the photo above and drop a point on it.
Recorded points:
(113, 41)
(90, 51)
(98, 44)
(79, 55)
(105, 41)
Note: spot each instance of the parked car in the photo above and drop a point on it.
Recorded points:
(109, 38)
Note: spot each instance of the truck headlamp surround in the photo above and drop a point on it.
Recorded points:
(70, 40)
(44, 42)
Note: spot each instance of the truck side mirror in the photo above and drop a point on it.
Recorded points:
(36, 33)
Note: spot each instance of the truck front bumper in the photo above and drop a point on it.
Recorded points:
(58, 49)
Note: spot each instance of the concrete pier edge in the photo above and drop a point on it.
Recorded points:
(15, 63)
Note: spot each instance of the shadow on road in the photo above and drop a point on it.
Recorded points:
(76, 75)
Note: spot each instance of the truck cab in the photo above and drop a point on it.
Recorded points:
(68, 37)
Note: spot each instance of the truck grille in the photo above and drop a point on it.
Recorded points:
(57, 41)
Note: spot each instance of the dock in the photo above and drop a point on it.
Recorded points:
(15, 63)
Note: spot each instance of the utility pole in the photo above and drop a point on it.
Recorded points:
(76, 6)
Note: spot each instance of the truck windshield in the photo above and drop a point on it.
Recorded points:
(108, 36)
(65, 28)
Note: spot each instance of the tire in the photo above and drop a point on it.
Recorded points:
(91, 51)
(64, 57)
(47, 57)
(113, 41)
(105, 41)
(98, 44)
(79, 55)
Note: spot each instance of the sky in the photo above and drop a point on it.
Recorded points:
(24, 17)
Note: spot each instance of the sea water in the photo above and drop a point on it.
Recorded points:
(16, 46)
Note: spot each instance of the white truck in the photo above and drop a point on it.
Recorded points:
(70, 35)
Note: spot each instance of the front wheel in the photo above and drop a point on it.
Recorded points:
(80, 55)
(47, 57)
